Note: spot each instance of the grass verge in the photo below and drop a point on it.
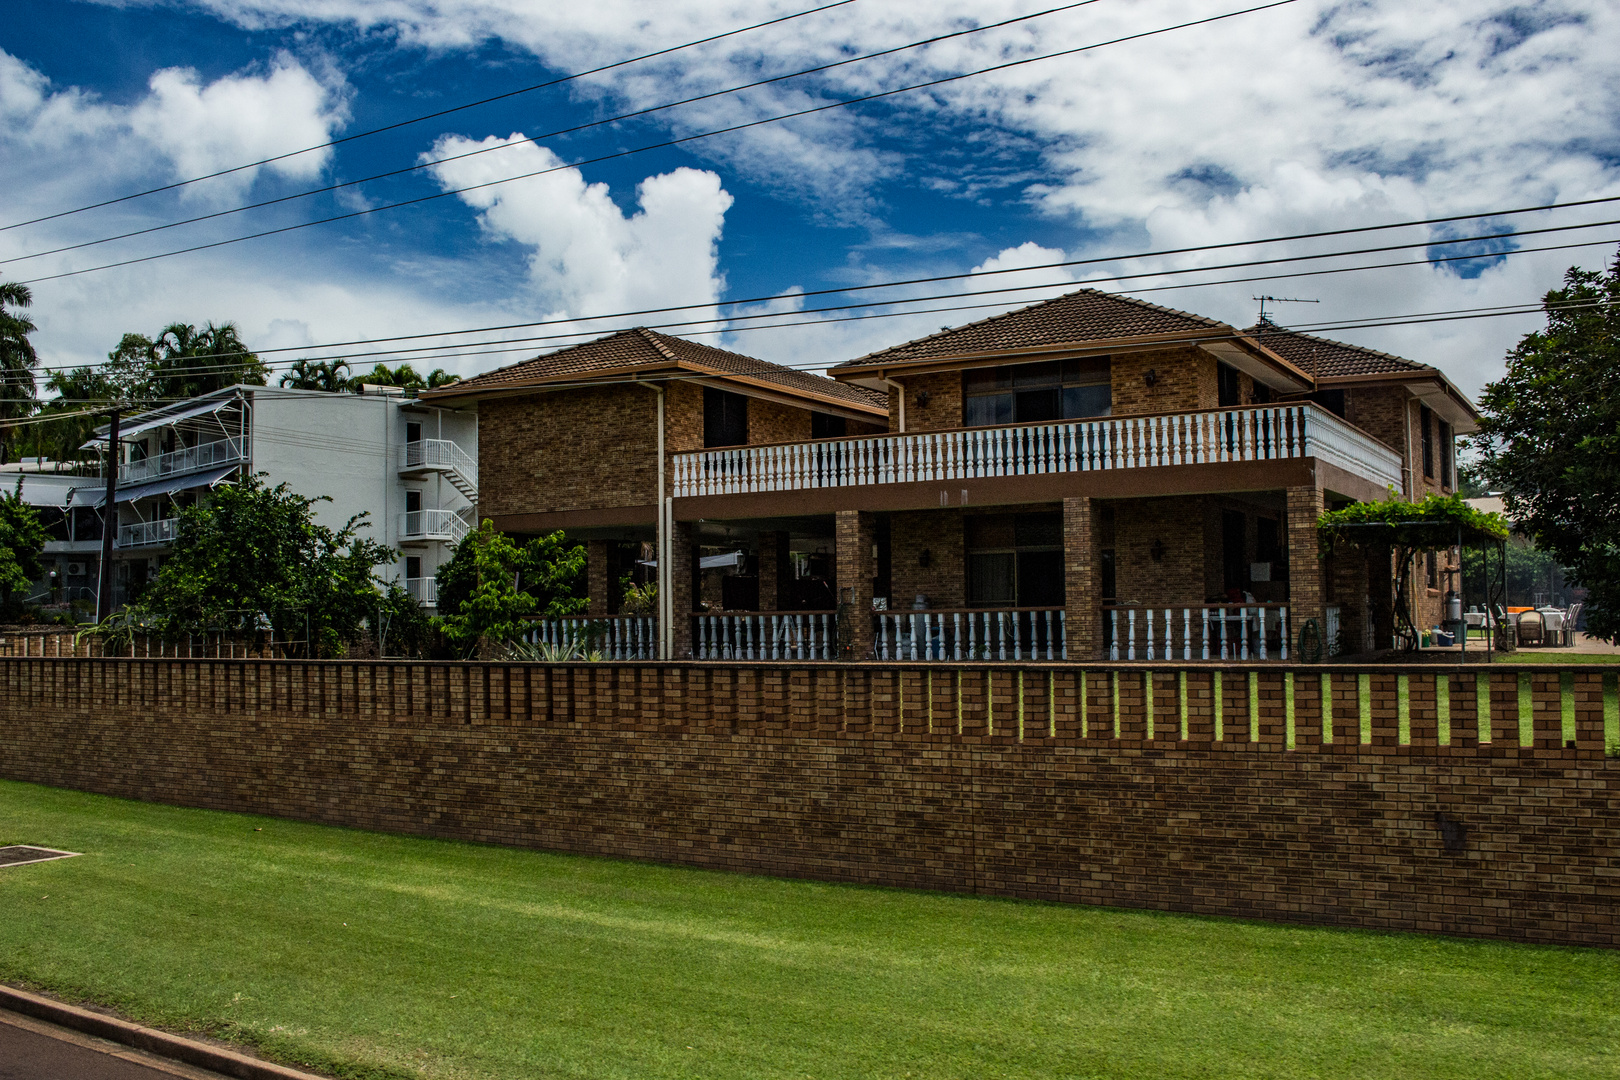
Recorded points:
(374, 955)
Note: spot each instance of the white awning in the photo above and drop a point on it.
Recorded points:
(96, 496)
(729, 561)
(149, 420)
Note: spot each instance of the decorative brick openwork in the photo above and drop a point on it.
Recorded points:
(1470, 801)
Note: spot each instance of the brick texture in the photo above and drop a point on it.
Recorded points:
(855, 533)
(1012, 780)
(944, 579)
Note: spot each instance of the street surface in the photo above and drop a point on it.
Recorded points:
(32, 1050)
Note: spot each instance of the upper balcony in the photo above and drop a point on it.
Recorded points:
(430, 526)
(1262, 436)
(190, 459)
(149, 533)
(423, 456)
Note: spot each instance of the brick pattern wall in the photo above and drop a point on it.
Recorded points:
(944, 580)
(1041, 781)
(854, 534)
(1082, 579)
(576, 450)
(944, 408)
(1184, 380)
(1305, 568)
(1177, 525)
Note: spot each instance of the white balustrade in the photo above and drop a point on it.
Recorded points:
(976, 634)
(424, 590)
(765, 635)
(189, 459)
(1202, 632)
(443, 455)
(615, 637)
(148, 533)
(1261, 433)
(444, 525)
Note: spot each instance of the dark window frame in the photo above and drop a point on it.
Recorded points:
(725, 415)
(1049, 391)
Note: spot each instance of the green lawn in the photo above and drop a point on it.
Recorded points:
(1527, 657)
(377, 955)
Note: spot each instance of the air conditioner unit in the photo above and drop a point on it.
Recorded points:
(75, 569)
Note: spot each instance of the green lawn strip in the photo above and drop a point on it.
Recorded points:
(466, 961)
(1555, 658)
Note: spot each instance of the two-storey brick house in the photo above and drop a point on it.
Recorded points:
(1089, 476)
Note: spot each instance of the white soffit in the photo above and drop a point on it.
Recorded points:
(1251, 365)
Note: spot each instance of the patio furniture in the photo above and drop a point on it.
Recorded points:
(1532, 628)
(1572, 621)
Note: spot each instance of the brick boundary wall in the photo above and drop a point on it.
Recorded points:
(1120, 784)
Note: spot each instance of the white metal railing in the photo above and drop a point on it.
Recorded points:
(766, 635)
(441, 454)
(1332, 617)
(971, 634)
(432, 525)
(147, 533)
(1205, 632)
(191, 459)
(1127, 442)
(424, 590)
(616, 637)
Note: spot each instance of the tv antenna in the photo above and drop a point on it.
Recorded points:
(1264, 300)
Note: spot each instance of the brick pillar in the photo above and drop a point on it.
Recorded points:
(1082, 582)
(596, 577)
(682, 566)
(772, 553)
(855, 534)
(1307, 570)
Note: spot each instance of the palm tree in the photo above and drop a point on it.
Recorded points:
(189, 362)
(17, 360)
(403, 376)
(327, 375)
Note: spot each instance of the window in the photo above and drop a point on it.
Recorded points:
(413, 502)
(1331, 400)
(1262, 394)
(1228, 388)
(1234, 549)
(725, 418)
(1036, 393)
(1015, 560)
(1426, 426)
(413, 566)
(413, 431)
(826, 426)
(1446, 450)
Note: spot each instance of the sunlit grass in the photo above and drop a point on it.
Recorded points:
(375, 955)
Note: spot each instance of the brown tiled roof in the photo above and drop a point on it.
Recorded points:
(1086, 315)
(1323, 358)
(643, 348)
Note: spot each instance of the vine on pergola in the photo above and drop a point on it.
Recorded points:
(1406, 528)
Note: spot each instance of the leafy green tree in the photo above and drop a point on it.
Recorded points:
(1550, 437)
(403, 376)
(327, 375)
(494, 585)
(255, 558)
(17, 360)
(22, 542)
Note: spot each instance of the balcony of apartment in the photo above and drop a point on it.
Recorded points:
(422, 457)
(177, 463)
(432, 526)
(424, 590)
(149, 533)
(1271, 446)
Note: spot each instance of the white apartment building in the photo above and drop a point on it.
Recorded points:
(412, 467)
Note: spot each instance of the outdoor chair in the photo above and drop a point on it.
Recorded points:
(1532, 628)
(1572, 620)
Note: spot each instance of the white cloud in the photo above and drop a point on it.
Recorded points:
(587, 255)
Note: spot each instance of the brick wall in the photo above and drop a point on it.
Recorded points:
(1184, 380)
(1043, 781)
(1177, 525)
(574, 450)
(943, 410)
(944, 580)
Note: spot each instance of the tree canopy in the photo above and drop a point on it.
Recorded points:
(492, 584)
(328, 375)
(1550, 437)
(403, 376)
(22, 542)
(17, 360)
(255, 558)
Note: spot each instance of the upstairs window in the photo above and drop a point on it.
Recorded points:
(1228, 388)
(725, 418)
(827, 426)
(1037, 393)
(1446, 450)
(1426, 423)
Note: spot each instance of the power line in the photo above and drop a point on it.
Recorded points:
(427, 116)
(658, 146)
(536, 140)
(437, 352)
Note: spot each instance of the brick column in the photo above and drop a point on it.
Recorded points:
(772, 554)
(855, 533)
(1082, 581)
(596, 577)
(1306, 569)
(682, 544)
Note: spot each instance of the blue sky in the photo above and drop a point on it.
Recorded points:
(1312, 115)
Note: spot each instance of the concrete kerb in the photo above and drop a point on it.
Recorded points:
(161, 1043)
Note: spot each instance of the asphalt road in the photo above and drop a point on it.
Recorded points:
(28, 1054)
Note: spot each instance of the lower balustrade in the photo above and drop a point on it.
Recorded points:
(971, 634)
(1206, 632)
(765, 635)
(614, 637)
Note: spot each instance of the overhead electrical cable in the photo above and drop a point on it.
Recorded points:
(536, 140)
(428, 116)
(660, 145)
